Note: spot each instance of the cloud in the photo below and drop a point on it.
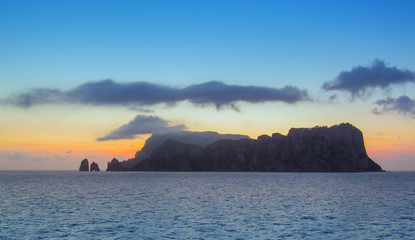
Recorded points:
(140, 109)
(221, 94)
(34, 97)
(361, 79)
(142, 125)
(108, 92)
(403, 105)
(21, 156)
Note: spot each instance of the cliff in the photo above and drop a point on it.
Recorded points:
(339, 148)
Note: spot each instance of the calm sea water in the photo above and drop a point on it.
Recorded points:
(147, 205)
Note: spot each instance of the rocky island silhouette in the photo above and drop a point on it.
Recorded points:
(339, 148)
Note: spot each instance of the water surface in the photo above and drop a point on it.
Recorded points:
(201, 205)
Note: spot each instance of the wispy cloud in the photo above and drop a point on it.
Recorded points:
(142, 125)
(403, 105)
(22, 156)
(108, 92)
(361, 79)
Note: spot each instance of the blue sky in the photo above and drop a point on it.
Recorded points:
(64, 44)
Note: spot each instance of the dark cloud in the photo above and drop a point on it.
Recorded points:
(221, 94)
(402, 104)
(34, 97)
(361, 79)
(108, 92)
(142, 125)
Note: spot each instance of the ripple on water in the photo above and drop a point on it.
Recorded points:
(72, 205)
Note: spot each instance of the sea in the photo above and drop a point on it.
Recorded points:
(206, 205)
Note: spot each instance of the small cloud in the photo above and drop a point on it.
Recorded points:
(59, 157)
(332, 98)
(361, 80)
(140, 109)
(69, 152)
(376, 111)
(403, 105)
(142, 124)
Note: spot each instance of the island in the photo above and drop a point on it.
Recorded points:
(339, 148)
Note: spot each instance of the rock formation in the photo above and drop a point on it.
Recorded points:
(84, 165)
(339, 148)
(94, 167)
(115, 165)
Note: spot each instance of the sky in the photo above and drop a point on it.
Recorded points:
(94, 79)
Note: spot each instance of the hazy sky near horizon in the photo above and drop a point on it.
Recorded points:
(94, 79)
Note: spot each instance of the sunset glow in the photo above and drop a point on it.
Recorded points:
(94, 80)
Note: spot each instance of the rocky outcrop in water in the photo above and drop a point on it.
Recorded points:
(84, 165)
(115, 165)
(339, 148)
(94, 167)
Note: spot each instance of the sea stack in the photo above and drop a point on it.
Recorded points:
(115, 165)
(84, 166)
(94, 167)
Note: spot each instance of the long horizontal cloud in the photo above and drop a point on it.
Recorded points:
(108, 92)
(22, 156)
(361, 79)
(141, 124)
(402, 104)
